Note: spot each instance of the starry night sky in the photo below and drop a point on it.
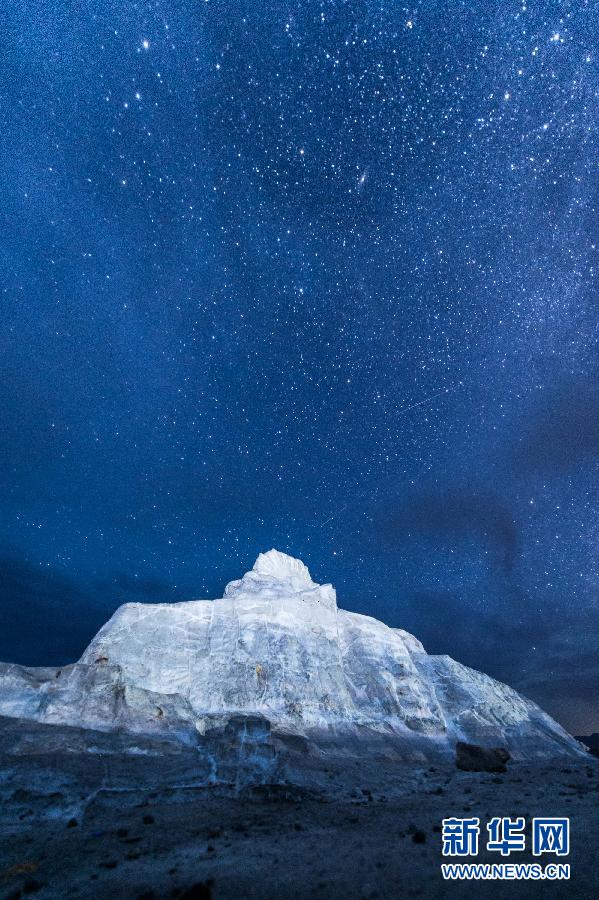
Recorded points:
(312, 275)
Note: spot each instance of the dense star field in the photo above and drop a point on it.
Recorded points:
(312, 275)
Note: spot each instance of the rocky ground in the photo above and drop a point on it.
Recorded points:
(136, 824)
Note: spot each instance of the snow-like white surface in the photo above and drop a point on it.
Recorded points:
(275, 564)
(275, 645)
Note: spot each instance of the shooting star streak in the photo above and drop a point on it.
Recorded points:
(330, 519)
(448, 390)
(443, 393)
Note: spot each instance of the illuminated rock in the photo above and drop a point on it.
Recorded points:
(277, 646)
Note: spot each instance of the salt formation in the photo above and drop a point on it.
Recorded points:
(277, 647)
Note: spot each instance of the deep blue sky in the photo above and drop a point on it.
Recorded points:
(312, 275)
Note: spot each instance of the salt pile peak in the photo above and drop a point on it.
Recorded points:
(276, 646)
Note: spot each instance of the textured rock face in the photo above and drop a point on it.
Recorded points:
(472, 758)
(276, 646)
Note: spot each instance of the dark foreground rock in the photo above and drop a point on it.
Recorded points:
(472, 758)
